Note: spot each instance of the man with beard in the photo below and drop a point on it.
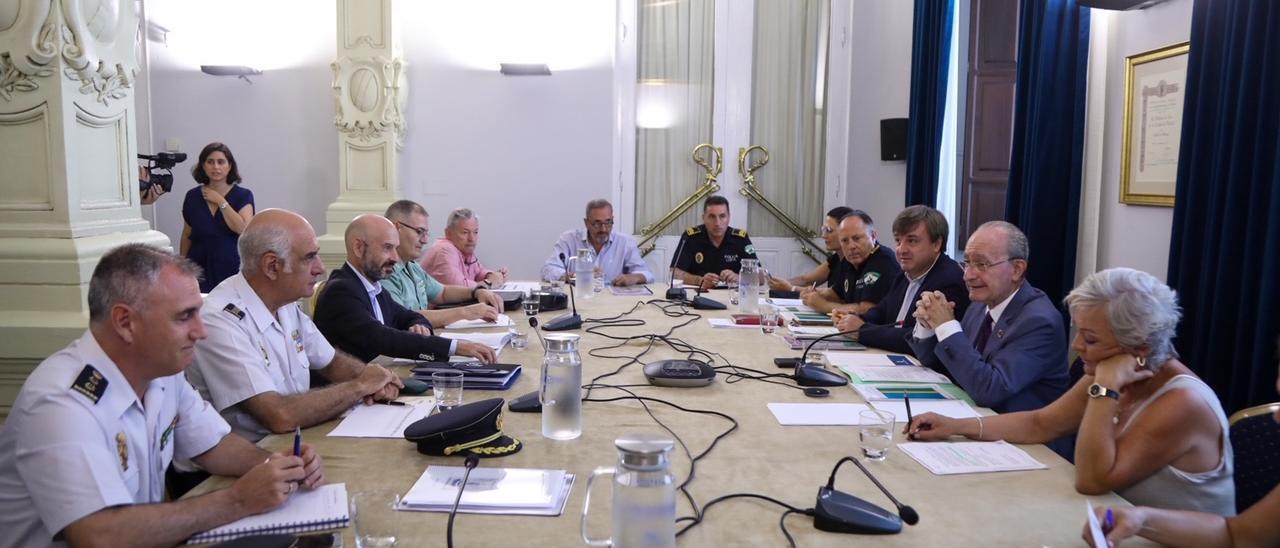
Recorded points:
(358, 317)
(618, 259)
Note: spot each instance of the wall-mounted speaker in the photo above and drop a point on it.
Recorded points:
(893, 139)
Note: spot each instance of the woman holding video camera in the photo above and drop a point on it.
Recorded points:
(214, 214)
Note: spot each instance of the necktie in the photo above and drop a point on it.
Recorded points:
(984, 333)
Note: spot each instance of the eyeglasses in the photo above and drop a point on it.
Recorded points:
(601, 224)
(981, 266)
(421, 232)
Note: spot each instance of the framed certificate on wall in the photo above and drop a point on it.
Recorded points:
(1155, 84)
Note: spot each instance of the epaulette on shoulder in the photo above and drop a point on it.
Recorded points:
(694, 230)
(234, 311)
(90, 383)
(741, 233)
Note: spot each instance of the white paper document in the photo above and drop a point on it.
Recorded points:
(503, 321)
(812, 331)
(727, 323)
(495, 341)
(897, 373)
(868, 359)
(490, 490)
(523, 287)
(1095, 528)
(381, 420)
(817, 414)
(956, 409)
(970, 457)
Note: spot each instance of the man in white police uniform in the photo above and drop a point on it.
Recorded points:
(256, 365)
(82, 457)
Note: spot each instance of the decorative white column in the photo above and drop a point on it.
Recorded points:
(369, 91)
(68, 178)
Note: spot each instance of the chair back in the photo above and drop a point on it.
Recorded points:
(1255, 440)
(309, 306)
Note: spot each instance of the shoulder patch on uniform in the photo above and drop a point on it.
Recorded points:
(750, 249)
(694, 230)
(91, 383)
(234, 311)
(741, 233)
(870, 278)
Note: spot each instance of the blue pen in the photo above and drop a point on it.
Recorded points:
(1110, 521)
(297, 441)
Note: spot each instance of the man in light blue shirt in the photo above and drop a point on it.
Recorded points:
(618, 259)
(411, 286)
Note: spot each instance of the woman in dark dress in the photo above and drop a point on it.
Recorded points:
(214, 214)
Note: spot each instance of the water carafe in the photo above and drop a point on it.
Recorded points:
(644, 494)
(584, 272)
(561, 392)
(749, 278)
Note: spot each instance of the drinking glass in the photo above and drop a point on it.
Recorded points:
(519, 339)
(375, 518)
(447, 387)
(875, 432)
(768, 319)
(532, 303)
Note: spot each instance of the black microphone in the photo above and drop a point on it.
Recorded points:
(531, 402)
(840, 512)
(814, 374)
(673, 293)
(471, 463)
(567, 321)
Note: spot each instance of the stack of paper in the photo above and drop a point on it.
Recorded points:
(970, 457)
(382, 420)
(502, 321)
(899, 392)
(523, 287)
(811, 332)
(841, 359)
(956, 409)
(631, 290)
(491, 491)
(805, 318)
(496, 341)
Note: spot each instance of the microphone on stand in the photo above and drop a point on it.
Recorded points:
(674, 294)
(471, 462)
(814, 374)
(529, 403)
(840, 512)
(567, 321)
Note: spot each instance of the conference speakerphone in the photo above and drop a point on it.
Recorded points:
(679, 373)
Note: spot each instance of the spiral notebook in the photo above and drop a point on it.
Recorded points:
(323, 508)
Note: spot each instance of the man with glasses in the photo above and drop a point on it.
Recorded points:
(1010, 352)
(414, 289)
(618, 259)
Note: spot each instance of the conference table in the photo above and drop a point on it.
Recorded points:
(788, 463)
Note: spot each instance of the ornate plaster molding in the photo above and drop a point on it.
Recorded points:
(91, 39)
(369, 97)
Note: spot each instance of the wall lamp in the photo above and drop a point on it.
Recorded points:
(239, 71)
(525, 69)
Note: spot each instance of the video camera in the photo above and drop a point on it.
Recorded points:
(159, 167)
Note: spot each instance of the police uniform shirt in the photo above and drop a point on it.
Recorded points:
(698, 256)
(872, 280)
(249, 351)
(79, 440)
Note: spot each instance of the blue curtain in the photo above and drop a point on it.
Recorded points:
(1043, 196)
(931, 50)
(1224, 257)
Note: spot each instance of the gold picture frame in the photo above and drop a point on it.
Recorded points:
(1155, 84)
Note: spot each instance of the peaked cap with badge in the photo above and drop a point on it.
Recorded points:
(471, 429)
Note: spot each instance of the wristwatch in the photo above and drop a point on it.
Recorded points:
(223, 205)
(1097, 391)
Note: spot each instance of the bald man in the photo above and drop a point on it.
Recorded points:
(359, 317)
(255, 364)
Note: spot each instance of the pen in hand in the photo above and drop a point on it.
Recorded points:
(1109, 522)
(297, 441)
(907, 400)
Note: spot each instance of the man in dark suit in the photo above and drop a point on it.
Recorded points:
(358, 317)
(1010, 351)
(920, 234)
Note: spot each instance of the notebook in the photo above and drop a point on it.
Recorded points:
(323, 508)
(487, 376)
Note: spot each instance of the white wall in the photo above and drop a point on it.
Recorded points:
(1128, 235)
(881, 49)
(525, 153)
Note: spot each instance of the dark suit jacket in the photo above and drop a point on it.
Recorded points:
(1024, 366)
(880, 331)
(345, 317)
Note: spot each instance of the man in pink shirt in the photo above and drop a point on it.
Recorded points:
(452, 260)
